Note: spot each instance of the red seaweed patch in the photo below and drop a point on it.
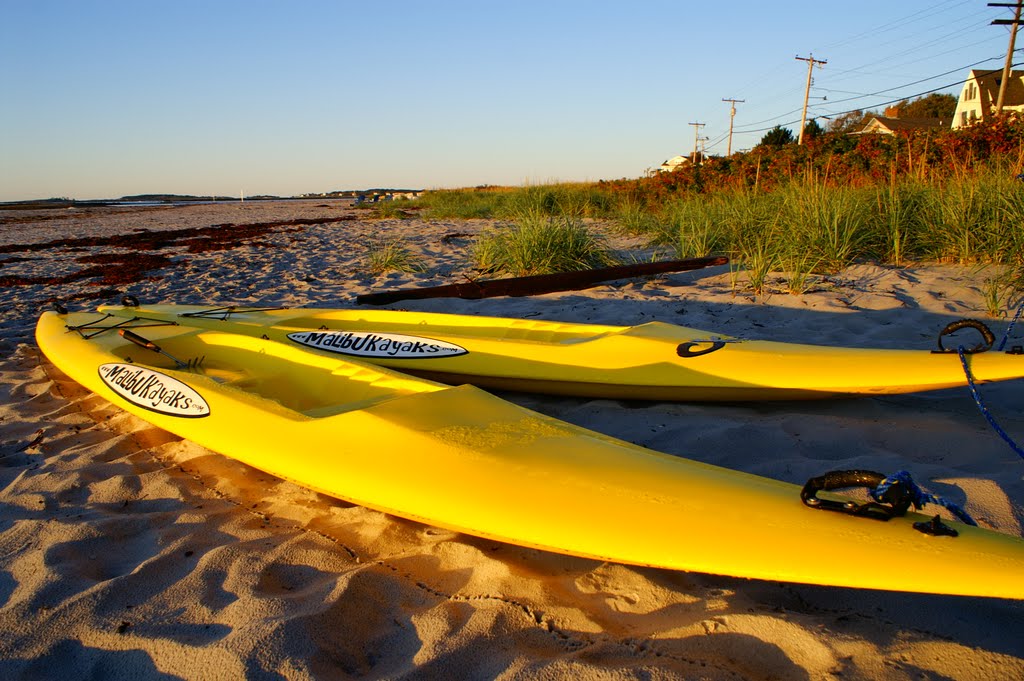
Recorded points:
(117, 269)
(122, 268)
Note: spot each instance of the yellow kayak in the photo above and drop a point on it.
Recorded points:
(459, 458)
(654, 361)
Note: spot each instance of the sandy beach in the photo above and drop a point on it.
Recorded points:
(126, 552)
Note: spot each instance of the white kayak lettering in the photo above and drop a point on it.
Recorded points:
(154, 391)
(371, 344)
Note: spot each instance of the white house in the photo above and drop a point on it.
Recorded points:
(673, 163)
(677, 162)
(980, 93)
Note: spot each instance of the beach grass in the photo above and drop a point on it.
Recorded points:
(536, 243)
(391, 255)
(809, 227)
(577, 200)
(391, 210)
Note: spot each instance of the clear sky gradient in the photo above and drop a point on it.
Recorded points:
(105, 99)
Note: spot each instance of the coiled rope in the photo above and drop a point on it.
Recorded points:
(917, 496)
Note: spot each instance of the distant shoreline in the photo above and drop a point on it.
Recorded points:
(187, 199)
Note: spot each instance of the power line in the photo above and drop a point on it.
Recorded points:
(888, 60)
(922, 80)
(851, 73)
(907, 44)
(891, 101)
(874, 94)
(966, 25)
(896, 23)
(953, 32)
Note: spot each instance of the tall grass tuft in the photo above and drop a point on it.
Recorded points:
(1011, 228)
(758, 255)
(827, 222)
(899, 208)
(957, 217)
(577, 200)
(631, 217)
(798, 267)
(694, 228)
(1001, 290)
(391, 255)
(460, 204)
(539, 244)
(572, 200)
(384, 210)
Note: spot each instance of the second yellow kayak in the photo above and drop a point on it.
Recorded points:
(654, 361)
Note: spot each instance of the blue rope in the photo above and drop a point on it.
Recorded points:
(982, 407)
(918, 496)
(1006, 336)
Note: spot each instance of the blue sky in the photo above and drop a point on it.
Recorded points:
(106, 99)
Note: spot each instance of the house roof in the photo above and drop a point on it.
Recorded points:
(988, 83)
(886, 124)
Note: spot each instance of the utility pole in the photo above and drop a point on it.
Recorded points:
(696, 138)
(1015, 22)
(732, 115)
(811, 61)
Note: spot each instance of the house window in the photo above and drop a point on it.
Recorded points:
(963, 118)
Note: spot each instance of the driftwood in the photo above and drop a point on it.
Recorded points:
(540, 283)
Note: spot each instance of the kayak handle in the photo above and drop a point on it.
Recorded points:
(894, 494)
(988, 338)
(895, 501)
(685, 350)
(139, 340)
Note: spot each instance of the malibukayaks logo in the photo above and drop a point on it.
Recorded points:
(378, 345)
(154, 391)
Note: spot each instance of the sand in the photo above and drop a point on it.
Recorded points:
(126, 552)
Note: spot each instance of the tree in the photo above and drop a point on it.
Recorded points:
(934, 105)
(850, 121)
(813, 129)
(777, 137)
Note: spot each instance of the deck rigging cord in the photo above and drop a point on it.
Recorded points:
(976, 394)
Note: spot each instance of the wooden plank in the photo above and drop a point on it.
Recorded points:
(539, 283)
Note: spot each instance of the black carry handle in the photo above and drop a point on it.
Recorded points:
(896, 497)
(988, 338)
